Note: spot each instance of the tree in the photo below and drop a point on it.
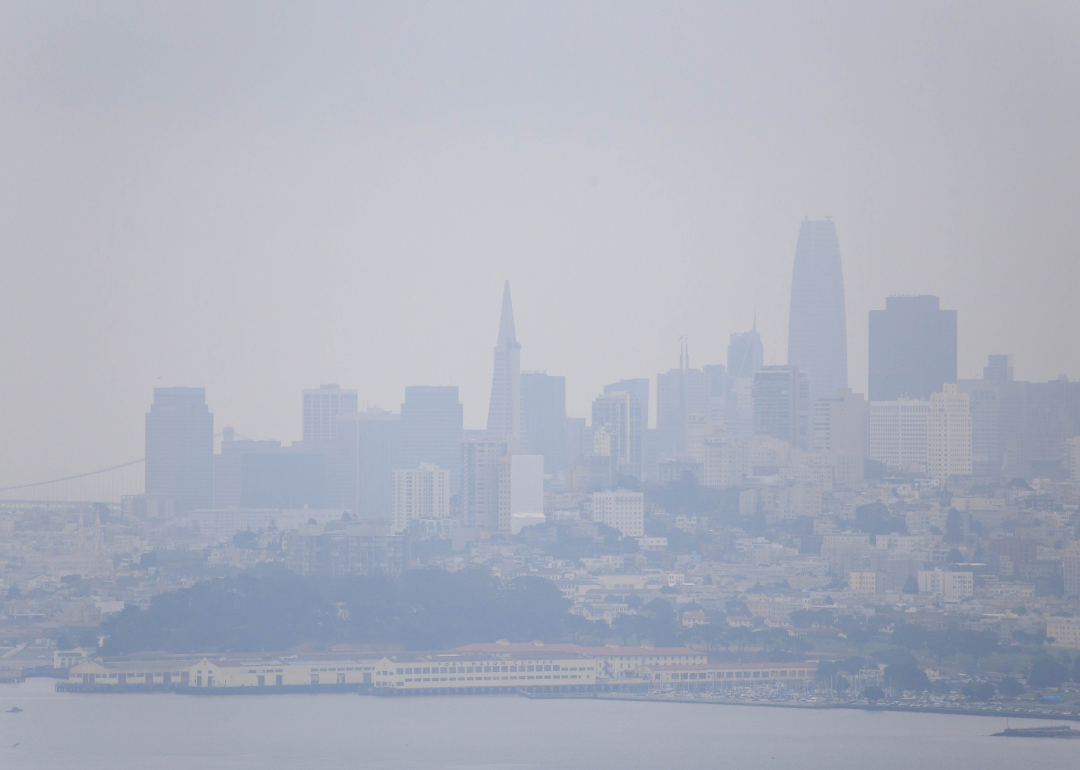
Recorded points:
(978, 644)
(873, 694)
(1047, 672)
(979, 691)
(906, 676)
(1010, 687)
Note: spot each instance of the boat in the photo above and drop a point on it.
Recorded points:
(1054, 731)
(14, 710)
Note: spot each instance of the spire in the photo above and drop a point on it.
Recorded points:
(506, 320)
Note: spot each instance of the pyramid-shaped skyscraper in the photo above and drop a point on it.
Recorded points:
(505, 413)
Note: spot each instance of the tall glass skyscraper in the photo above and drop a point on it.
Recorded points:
(817, 323)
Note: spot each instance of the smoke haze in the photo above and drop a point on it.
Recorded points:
(258, 197)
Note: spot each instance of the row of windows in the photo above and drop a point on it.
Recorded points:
(738, 675)
(483, 669)
(495, 678)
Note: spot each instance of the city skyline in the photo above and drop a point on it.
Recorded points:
(218, 204)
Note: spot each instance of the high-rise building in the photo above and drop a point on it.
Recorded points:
(987, 397)
(1037, 420)
(999, 368)
(179, 451)
(321, 409)
(782, 405)
(679, 393)
(432, 427)
(620, 509)
(264, 474)
(838, 431)
(745, 354)
(719, 385)
(638, 388)
(620, 414)
(506, 417)
(912, 348)
(420, 493)
(543, 398)
(526, 493)
(482, 466)
(361, 462)
(899, 434)
(817, 323)
(948, 448)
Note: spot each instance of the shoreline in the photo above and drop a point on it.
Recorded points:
(895, 707)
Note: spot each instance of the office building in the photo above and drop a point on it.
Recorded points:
(622, 510)
(526, 493)
(360, 464)
(321, 409)
(482, 474)
(543, 398)
(745, 354)
(899, 434)
(432, 428)
(817, 322)
(679, 393)
(339, 548)
(719, 385)
(782, 405)
(264, 474)
(912, 348)
(179, 463)
(949, 434)
(637, 388)
(506, 416)
(838, 432)
(945, 585)
(621, 415)
(420, 493)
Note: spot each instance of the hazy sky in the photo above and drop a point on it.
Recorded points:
(257, 198)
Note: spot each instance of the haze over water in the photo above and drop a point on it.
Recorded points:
(59, 730)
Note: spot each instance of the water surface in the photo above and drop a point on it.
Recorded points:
(124, 732)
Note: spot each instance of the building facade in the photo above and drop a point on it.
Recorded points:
(817, 322)
(321, 408)
(949, 434)
(420, 493)
(912, 348)
(179, 451)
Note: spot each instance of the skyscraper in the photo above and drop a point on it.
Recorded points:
(745, 354)
(543, 399)
(638, 389)
(620, 414)
(179, 451)
(360, 463)
(506, 420)
(484, 464)
(817, 323)
(838, 431)
(321, 409)
(679, 393)
(782, 405)
(912, 348)
(432, 428)
(948, 446)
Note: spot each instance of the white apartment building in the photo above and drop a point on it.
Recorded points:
(949, 586)
(863, 582)
(722, 458)
(420, 493)
(949, 434)
(838, 432)
(1065, 632)
(899, 433)
(622, 510)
